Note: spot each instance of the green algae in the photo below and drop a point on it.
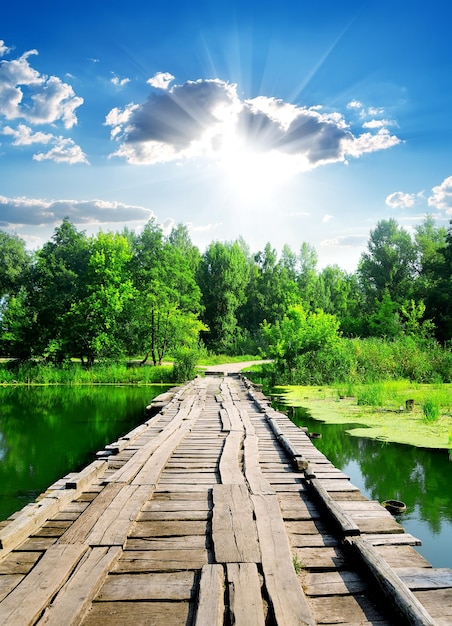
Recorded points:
(390, 421)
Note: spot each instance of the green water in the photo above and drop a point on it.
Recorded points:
(46, 432)
(419, 477)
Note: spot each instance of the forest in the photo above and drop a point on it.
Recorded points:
(156, 297)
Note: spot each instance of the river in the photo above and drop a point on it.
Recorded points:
(419, 477)
(47, 432)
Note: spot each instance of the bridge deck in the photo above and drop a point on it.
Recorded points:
(218, 510)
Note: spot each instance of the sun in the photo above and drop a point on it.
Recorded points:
(252, 175)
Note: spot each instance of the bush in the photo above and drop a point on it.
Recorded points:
(185, 362)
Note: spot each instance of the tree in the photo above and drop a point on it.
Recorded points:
(93, 321)
(439, 298)
(307, 277)
(164, 313)
(389, 265)
(15, 264)
(223, 277)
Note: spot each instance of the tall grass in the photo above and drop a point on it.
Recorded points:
(74, 374)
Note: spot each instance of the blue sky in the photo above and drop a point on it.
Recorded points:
(278, 122)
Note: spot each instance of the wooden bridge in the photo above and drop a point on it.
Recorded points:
(216, 511)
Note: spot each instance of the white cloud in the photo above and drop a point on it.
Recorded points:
(327, 218)
(3, 48)
(441, 197)
(161, 80)
(205, 117)
(36, 98)
(64, 151)
(379, 123)
(17, 212)
(400, 200)
(355, 104)
(119, 82)
(24, 136)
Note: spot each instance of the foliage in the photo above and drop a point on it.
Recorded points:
(431, 410)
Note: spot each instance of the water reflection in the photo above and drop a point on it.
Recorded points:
(46, 432)
(419, 477)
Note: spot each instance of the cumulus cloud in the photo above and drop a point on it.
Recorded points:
(17, 212)
(161, 80)
(400, 200)
(203, 117)
(327, 218)
(36, 98)
(441, 197)
(31, 98)
(63, 150)
(383, 123)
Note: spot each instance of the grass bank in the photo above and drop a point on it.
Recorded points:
(379, 410)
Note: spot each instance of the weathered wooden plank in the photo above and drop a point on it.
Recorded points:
(321, 558)
(138, 613)
(333, 583)
(396, 591)
(286, 596)
(166, 543)
(148, 586)
(160, 560)
(18, 562)
(230, 470)
(438, 603)
(86, 476)
(210, 607)
(394, 539)
(172, 516)
(253, 473)
(74, 598)
(167, 529)
(349, 610)
(402, 556)
(233, 528)
(26, 602)
(347, 526)
(113, 525)
(422, 578)
(7, 583)
(245, 598)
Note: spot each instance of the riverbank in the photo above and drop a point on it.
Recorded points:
(380, 411)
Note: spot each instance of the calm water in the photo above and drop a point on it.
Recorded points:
(419, 477)
(46, 432)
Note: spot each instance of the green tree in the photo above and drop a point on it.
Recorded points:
(439, 298)
(164, 313)
(93, 321)
(15, 264)
(223, 277)
(389, 265)
(307, 277)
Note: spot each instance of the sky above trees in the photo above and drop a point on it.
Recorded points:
(281, 122)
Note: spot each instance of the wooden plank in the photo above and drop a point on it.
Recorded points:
(74, 599)
(253, 473)
(349, 610)
(210, 608)
(438, 603)
(321, 558)
(347, 526)
(230, 470)
(87, 475)
(421, 578)
(139, 613)
(166, 543)
(245, 598)
(136, 561)
(148, 586)
(26, 602)
(167, 529)
(114, 524)
(402, 556)
(394, 539)
(286, 596)
(18, 562)
(81, 528)
(234, 534)
(333, 583)
(7, 583)
(28, 520)
(396, 591)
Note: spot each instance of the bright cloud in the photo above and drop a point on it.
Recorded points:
(441, 197)
(26, 94)
(16, 212)
(24, 136)
(208, 118)
(64, 151)
(161, 80)
(400, 200)
(350, 241)
(327, 218)
(3, 48)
